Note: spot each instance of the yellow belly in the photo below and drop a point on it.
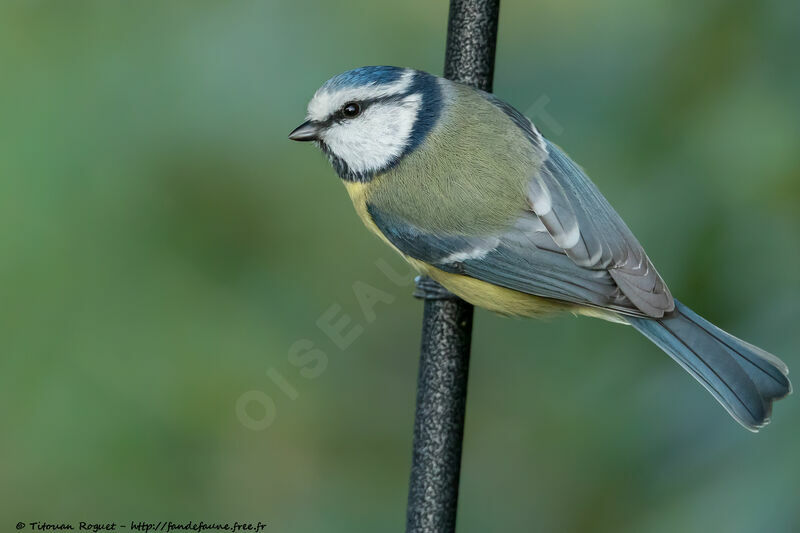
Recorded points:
(491, 297)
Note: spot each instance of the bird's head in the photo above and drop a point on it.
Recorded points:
(367, 119)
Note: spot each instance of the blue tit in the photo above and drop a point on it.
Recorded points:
(469, 192)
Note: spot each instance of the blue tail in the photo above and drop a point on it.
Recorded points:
(743, 378)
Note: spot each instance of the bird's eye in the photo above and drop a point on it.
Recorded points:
(351, 109)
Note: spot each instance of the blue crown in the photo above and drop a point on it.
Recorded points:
(364, 76)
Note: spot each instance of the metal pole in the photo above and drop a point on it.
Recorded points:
(447, 320)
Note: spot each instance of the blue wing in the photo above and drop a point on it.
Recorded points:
(523, 258)
(570, 245)
(592, 234)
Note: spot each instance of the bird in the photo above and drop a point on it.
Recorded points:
(468, 191)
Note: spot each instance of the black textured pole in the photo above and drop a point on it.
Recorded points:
(447, 320)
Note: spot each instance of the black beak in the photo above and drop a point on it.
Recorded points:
(307, 131)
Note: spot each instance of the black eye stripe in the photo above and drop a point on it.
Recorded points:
(339, 116)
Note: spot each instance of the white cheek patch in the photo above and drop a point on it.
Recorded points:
(374, 139)
(326, 101)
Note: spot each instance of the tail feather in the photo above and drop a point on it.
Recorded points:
(743, 378)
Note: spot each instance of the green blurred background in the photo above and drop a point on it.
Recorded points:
(163, 245)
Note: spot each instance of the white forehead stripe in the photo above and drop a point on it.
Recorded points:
(327, 100)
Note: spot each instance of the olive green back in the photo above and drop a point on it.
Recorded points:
(468, 176)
